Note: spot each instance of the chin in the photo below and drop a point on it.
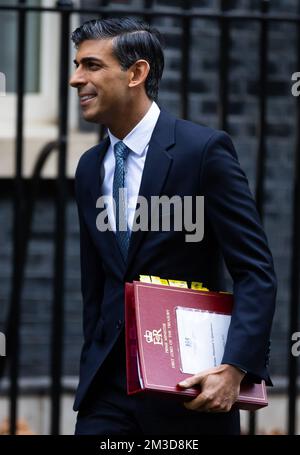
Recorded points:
(89, 117)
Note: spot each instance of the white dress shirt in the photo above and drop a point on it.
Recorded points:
(138, 142)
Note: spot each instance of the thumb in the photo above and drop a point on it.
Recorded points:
(197, 379)
(192, 380)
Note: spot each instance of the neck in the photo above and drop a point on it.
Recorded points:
(126, 119)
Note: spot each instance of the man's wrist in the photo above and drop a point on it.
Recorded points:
(239, 369)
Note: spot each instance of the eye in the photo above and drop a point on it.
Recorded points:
(93, 66)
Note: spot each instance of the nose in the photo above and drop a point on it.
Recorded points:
(77, 79)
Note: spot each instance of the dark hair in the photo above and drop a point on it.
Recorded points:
(132, 40)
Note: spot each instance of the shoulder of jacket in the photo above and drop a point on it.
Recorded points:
(89, 154)
(201, 134)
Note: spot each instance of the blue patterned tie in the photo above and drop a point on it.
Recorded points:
(119, 195)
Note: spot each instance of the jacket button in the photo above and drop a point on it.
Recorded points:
(119, 324)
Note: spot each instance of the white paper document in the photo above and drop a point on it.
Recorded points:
(202, 336)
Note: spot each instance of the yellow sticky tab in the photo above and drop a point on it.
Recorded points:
(145, 278)
(155, 279)
(196, 285)
(158, 280)
(178, 283)
(204, 289)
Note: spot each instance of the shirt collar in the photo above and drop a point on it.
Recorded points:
(139, 137)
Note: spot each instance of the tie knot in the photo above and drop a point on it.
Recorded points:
(121, 150)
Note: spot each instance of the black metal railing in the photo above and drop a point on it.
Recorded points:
(23, 207)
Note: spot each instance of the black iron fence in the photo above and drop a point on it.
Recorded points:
(24, 205)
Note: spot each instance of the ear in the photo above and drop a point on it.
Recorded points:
(138, 73)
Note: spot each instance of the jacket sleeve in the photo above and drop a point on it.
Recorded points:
(232, 214)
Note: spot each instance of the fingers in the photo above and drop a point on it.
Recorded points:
(209, 403)
(219, 390)
(200, 403)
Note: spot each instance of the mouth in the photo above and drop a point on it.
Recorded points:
(86, 99)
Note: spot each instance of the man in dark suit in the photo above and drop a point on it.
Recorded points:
(119, 64)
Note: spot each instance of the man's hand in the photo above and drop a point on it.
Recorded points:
(220, 388)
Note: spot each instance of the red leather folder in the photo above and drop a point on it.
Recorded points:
(153, 358)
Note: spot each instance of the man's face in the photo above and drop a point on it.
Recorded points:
(101, 83)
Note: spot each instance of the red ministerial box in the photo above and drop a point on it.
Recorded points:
(153, 347)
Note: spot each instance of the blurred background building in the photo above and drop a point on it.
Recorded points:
(213, 76)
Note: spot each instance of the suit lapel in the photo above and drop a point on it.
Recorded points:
(97, 178)
(157, 166)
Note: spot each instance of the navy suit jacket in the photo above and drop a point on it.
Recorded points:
(183, 159)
